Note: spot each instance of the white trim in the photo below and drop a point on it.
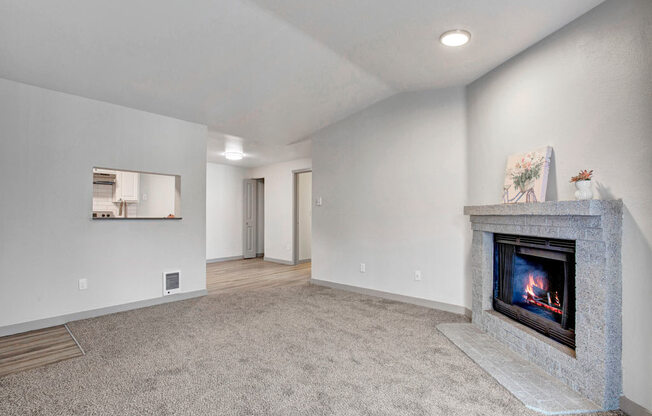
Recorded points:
(279, 261)
(63, 319)
(427, 303)
(221, 259)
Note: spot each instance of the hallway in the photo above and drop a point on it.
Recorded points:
(252, 274)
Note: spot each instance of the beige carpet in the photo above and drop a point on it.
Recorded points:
(290, 351)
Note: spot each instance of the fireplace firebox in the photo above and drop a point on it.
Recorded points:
(534, 284)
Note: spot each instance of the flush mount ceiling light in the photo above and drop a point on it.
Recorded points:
(234, 155)
(233, 147)
(457, 37)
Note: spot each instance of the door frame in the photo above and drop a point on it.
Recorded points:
(295, 213)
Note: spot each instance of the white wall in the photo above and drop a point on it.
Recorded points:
(304, 215)
(224, 187)
(586, 91)
(49, 143)
(159, 191)
(279, 201)
(392, 179)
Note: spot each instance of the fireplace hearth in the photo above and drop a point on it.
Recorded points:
(534, 284)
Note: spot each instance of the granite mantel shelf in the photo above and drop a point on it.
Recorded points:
(592, 207)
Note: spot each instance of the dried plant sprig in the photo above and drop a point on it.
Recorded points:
(584, 175)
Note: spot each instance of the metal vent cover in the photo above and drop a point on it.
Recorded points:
(171, 282)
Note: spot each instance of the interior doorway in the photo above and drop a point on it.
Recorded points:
(302, 216)
(253, 234)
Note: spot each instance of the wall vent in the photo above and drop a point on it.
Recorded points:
(171, 283)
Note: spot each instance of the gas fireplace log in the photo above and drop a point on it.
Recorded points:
(540, 302)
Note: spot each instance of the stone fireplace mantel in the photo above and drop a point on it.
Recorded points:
(594, 367)
(592, 207)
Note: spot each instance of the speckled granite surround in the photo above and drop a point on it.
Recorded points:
(594, 370)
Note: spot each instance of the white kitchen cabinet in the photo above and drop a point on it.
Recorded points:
(127, 187)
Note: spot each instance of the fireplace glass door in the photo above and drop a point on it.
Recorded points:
(534, 283)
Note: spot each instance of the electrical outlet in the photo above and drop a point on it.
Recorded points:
(83, 284)
(318, 201)
(363, 267)
(417, 275)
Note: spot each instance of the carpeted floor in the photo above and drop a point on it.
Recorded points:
(302, 350)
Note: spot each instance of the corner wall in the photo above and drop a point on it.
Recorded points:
(49, 144)
(586, 91)
(224, 188)
(392, 179)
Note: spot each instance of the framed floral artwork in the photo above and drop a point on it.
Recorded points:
(526, 176)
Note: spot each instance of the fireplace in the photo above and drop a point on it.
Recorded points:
(574, 242)
(534, 284)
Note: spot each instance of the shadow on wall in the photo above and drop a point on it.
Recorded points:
(551, 191)
(605, 192)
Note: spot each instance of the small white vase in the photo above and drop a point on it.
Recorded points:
(583, 190)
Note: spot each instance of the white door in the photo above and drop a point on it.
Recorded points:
(249, 229)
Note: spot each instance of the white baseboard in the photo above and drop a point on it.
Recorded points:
(63, 319)
(221, 259)
(279, 261)
(432, 304)
(633, 408)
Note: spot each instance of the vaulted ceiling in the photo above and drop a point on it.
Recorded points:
(269, 71)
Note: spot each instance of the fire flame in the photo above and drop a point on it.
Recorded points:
(542, 297)
(537, 281)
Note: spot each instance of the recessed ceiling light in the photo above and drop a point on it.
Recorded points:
(457, 37)
(233, 155)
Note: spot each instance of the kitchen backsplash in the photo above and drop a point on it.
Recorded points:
(103, 201)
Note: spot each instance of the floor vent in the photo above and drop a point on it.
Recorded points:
(171, 283)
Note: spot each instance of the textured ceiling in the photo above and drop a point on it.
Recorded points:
(398, 41)
(269, 71)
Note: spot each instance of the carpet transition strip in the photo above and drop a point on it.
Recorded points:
(35, 349)
(528, 383)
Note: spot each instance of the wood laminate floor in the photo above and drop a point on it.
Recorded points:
(36, 348)
(251, 274)
(46, 346)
